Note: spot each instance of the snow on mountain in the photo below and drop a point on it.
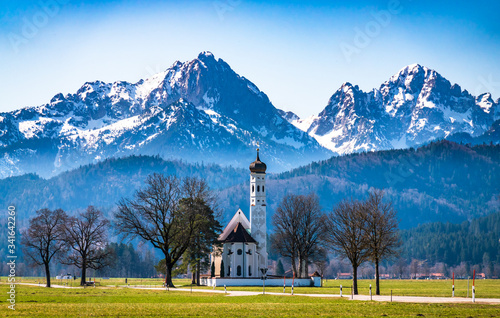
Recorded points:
(413, 107)
(200, 110)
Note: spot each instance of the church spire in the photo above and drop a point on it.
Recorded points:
(258, 166)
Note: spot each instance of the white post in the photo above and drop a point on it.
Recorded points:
(473, 294)
(453, 291)
(370, 291)
(225, 290)
(340, 290)
(292, 288)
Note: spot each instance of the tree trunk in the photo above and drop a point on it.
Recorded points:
(47, 274)
(84, 278)
(355, 279)
(377, 278)
(198, 269)
(305, 268)
(169, 276)
(300, 268)
(294, 267)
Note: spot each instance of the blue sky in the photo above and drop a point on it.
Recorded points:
(297, 52)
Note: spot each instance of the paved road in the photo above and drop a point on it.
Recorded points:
(402, 299)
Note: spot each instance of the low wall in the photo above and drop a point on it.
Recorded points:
(228, 281)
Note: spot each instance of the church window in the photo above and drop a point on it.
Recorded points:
(253, 188)
(249, 252)
(239, 251)
(262, 188)
(249, 270)
(229, 271)
(258, 188)
(238, 270)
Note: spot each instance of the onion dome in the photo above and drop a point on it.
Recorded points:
(258, 166)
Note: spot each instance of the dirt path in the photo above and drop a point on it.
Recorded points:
(402, 299)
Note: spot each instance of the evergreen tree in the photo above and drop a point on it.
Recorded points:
(280, 270)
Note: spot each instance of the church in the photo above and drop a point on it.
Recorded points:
(241, 260)
(244, 247)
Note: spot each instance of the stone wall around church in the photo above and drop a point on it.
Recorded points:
(298, 282)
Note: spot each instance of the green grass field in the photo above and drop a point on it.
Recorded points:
(107, 301)
(489, 288)
(125, 302)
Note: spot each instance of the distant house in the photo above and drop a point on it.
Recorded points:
(437, 276)
(344, 276)
(421, 276)
(480, 275)
(383, 276)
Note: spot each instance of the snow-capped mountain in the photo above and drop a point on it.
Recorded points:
(413, 107)
(196, 111)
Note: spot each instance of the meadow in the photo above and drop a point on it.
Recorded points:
(485, 288)
(110, 301)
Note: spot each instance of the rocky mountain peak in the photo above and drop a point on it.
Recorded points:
(199, 110)
(413, 107)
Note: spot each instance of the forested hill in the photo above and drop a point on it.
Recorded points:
(476, 242)
(431, 166)
(104, 183)
(442, 181)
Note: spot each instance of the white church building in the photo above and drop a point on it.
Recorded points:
(242, 259)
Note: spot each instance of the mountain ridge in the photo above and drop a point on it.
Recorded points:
(196, 110)
(415, 106)
(202, 110)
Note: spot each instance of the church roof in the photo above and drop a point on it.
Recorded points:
(239, 235)
(258, 166)
(239, 217)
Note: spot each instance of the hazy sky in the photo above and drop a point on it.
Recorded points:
(297, 52)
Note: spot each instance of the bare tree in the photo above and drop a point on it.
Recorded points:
(43, 238)
(299, 230)
(400, 267)
(86, 236)
(156, 216)
(348, 235)
(382, 231)
(321, 262)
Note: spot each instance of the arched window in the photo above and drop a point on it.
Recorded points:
(238, 270)
(258, 188)
(253, 188)
(239, 251)
(249, 270)
(262, 188)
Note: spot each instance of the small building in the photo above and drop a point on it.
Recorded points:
(437, 276)
(344, 276)
(480, 275)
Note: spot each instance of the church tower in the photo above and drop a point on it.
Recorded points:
(258, 228)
